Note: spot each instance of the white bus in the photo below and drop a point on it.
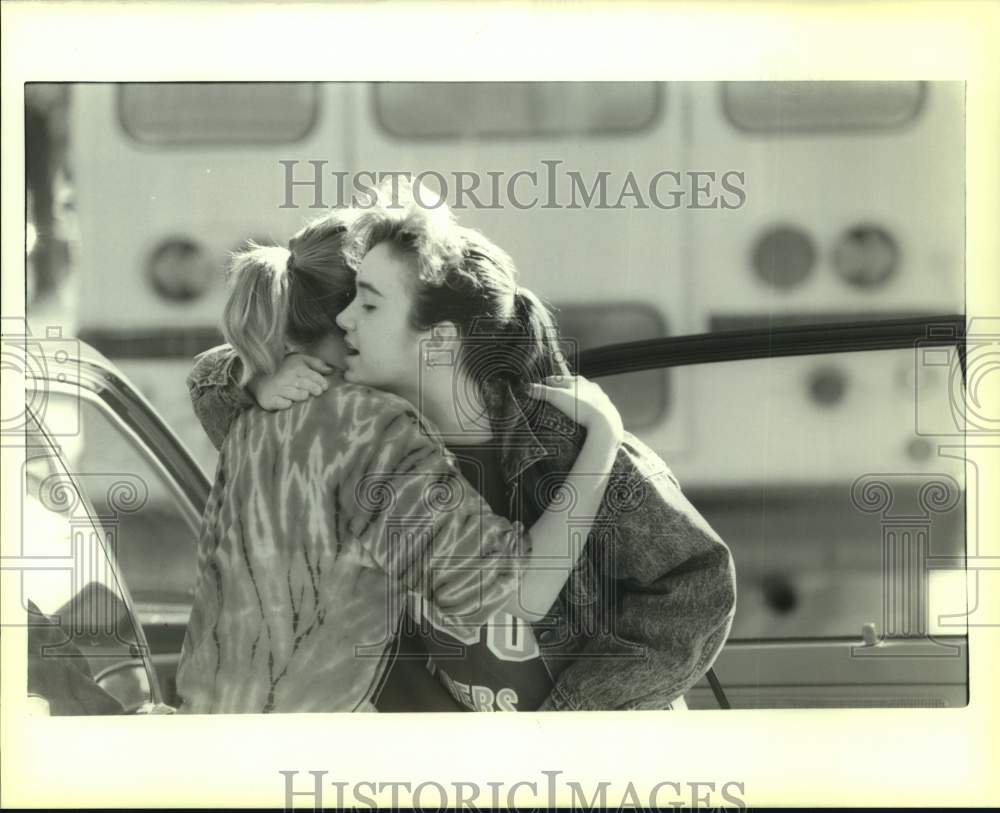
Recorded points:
(725, 205)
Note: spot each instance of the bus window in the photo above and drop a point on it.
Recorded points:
(435, 110)
(181, 113)
(784, 107)
(642, 398)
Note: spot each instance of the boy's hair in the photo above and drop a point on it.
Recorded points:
(281, 296)
(462, 277)
(428, 235)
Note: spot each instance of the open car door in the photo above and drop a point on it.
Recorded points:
(848, 532)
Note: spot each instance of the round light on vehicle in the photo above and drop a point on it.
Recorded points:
(919, 449)
(179, 269)
(784, 256)
(827, 386)
(780, 594)
(866, 257)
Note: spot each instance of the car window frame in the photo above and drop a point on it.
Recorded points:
(123, 405)
(855, 336)
(146, 433)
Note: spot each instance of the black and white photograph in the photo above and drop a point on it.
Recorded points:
(421, 398)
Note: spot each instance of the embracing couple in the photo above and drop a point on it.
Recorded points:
(418, 507)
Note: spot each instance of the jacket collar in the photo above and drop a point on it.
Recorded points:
(529, 431)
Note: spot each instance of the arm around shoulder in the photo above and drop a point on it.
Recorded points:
(675, 593)
(423, 523)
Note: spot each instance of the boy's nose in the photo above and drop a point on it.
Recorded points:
(343, 321)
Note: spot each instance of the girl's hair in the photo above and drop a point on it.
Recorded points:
(282, 296)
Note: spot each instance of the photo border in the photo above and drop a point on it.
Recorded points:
(822, 757)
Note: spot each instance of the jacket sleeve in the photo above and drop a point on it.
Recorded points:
(216, 396)
(669, 594)
(424, 525)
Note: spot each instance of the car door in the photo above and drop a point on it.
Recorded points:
(141, 494)
(87, 651)
(847, 529)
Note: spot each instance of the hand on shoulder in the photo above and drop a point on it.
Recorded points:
(583, 401)
(298, 378)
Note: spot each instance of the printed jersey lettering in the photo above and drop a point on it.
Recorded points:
(502, 671)
(510, 638)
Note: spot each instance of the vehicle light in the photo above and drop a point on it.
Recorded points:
(179, 269)
(784, 256)
(919, 449)
(779, 593)
(827, 386)
(866, 257)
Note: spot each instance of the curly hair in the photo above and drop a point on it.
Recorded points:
(460, 276)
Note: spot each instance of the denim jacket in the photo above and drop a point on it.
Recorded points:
(650, 604)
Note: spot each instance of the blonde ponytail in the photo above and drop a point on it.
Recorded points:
(255, 317)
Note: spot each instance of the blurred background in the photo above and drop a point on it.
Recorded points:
(854, 209)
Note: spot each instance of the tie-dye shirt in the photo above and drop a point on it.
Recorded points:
(321, 518)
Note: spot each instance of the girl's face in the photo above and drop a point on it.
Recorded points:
(383, 350)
